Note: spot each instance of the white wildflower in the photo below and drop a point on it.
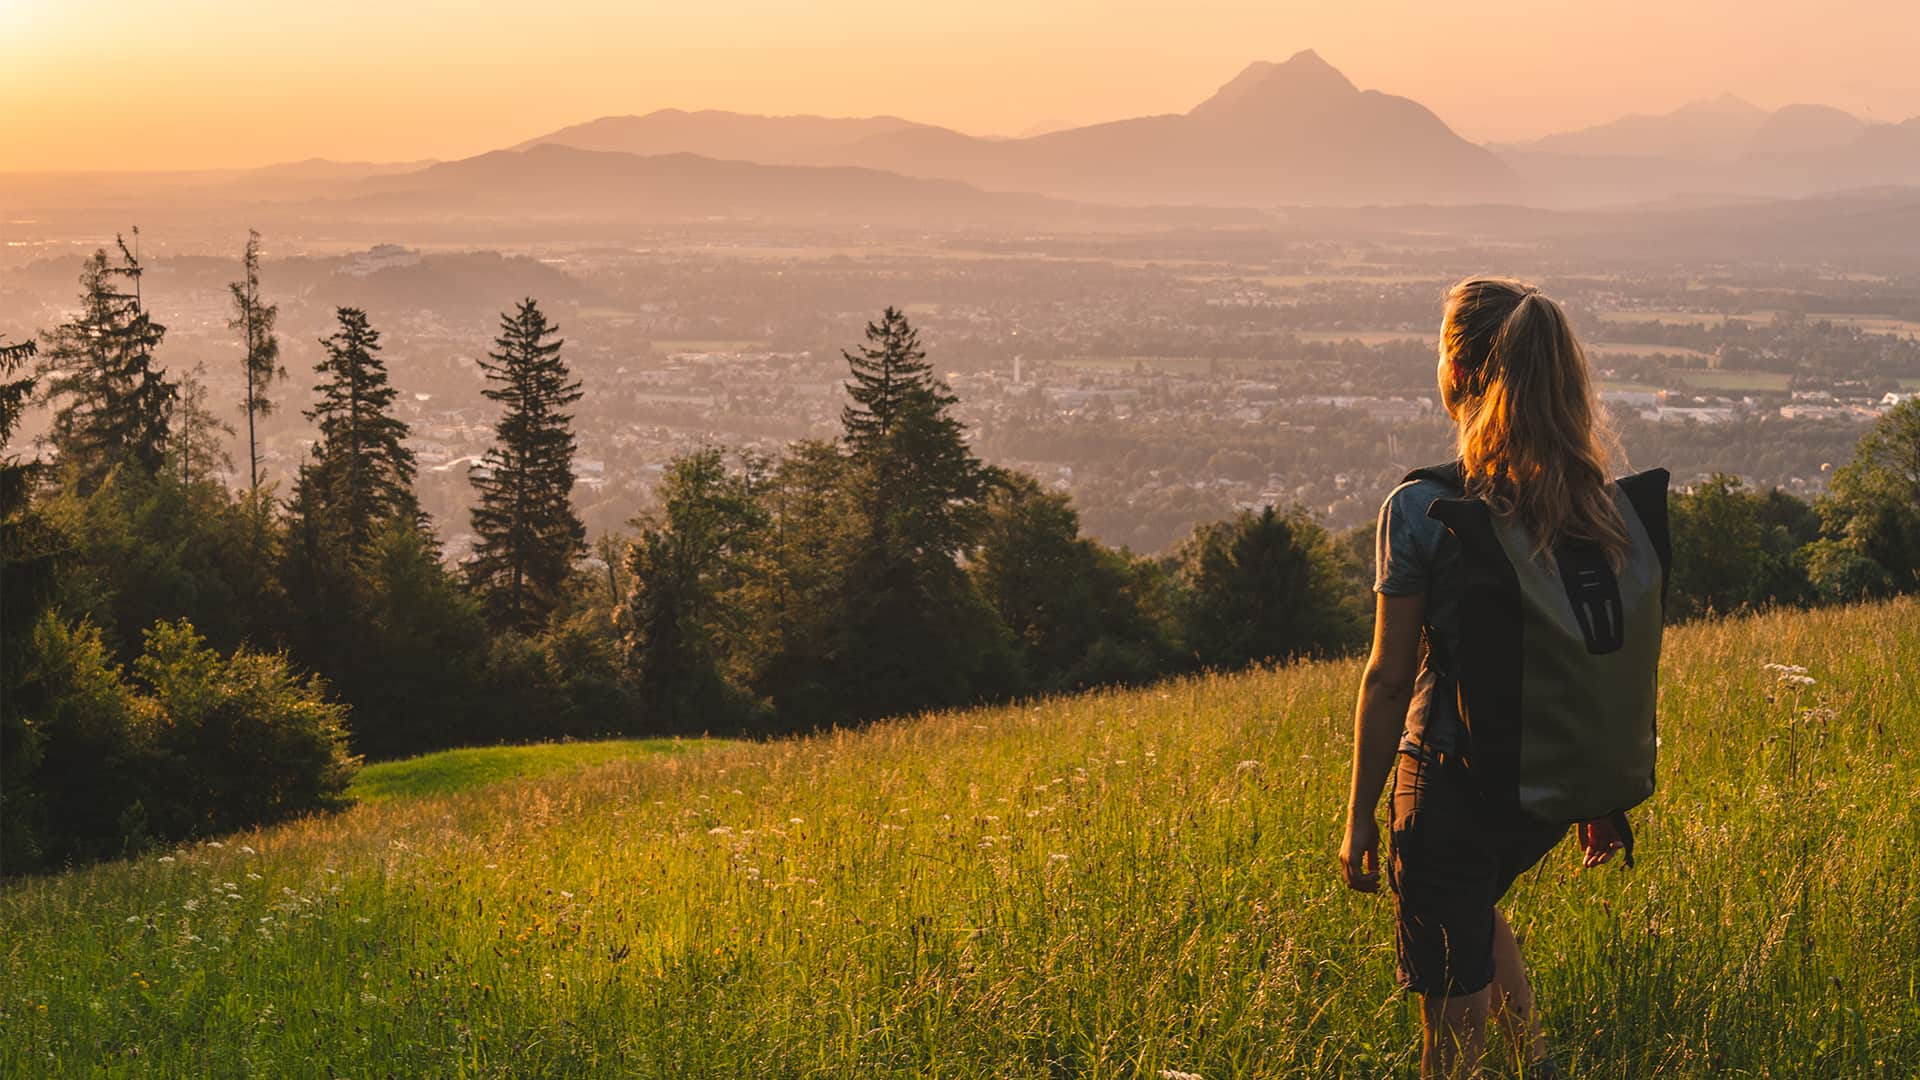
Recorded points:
(215, 844)
(1246, 766)
(248, 850)
(164, 858)
(253, 877)
(565, 895)
(1176, 1074)
(719, 830)
(1056, 857)
(192, 905)
(795, 821)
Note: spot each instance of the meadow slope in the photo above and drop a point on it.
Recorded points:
(1113, 884)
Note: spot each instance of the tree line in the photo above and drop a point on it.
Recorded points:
(182, 658)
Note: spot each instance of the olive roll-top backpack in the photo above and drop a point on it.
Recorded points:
(1557, 671)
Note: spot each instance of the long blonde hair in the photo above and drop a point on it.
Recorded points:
(1533, 443)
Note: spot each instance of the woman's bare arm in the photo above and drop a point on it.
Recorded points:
(1379, 716)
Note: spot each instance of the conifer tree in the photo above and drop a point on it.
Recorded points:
(919, 631)
(361, 475)
(529, 535)
(888, 373)
(261, 361)
(116, 404)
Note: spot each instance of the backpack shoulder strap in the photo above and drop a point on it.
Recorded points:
(1647, 492)
(1451, 473)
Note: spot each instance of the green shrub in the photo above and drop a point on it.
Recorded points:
(237, 740)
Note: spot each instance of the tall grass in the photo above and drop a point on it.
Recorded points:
(1114, 884)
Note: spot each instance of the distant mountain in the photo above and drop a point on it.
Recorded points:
(1296, 132)
(1721, 130)
(1721, 148)
(552, 184)
(1801, 128)
(1278, 133)
(774, 140)
(1700, 131)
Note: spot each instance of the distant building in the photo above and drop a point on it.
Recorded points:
(381, 257)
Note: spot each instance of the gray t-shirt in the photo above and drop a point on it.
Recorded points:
(1406, 543)
(1411, 556)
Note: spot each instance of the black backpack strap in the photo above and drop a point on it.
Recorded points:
(1647, 491)
(1452, 473)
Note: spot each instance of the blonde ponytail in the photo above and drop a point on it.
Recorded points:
(1531, 438)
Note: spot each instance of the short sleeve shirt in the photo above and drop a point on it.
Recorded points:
(1412, 556)
(1407, 541)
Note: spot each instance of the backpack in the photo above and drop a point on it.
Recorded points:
(1557, 669)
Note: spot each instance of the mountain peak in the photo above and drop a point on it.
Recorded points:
(1264, 83)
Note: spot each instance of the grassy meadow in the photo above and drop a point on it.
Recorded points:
(1120, 884)
(457, 770)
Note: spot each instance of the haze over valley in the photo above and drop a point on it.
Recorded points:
(1168, 316)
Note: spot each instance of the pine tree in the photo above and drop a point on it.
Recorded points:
(361, 475)
(529, 535)
(261, 362)
(921, 487)
(917, 629)
(889, 372)
(117, 404)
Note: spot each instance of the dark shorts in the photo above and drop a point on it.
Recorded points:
(1452, 860)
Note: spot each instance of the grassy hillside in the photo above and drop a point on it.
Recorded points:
(458, 770)
(1113, 885)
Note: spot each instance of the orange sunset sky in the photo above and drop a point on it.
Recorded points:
(116, 84)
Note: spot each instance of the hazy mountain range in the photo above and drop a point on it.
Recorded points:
(1293, 134)
(1300, 133)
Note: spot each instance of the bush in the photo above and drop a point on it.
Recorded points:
(85, 765)
(238, 741)
(202, 744)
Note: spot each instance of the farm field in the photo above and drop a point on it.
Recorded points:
(1710, 319)
(1872, 324)
(1114, 884)
(1185, 365)
(1602, 349)
(1776, 381)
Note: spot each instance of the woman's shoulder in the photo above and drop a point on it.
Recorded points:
(1412, 497)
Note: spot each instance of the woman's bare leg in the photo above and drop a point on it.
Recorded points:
(1453, 1035)
(1512, 1001)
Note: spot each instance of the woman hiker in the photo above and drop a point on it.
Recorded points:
(1521, 553)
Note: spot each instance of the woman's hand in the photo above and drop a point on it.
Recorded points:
(1360, 854)
(1598, 841)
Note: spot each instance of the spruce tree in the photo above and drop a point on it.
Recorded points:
(361, 475)
(261, 361)
(917, 629)
(888, 373)
(115, 403)
(529, 535)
